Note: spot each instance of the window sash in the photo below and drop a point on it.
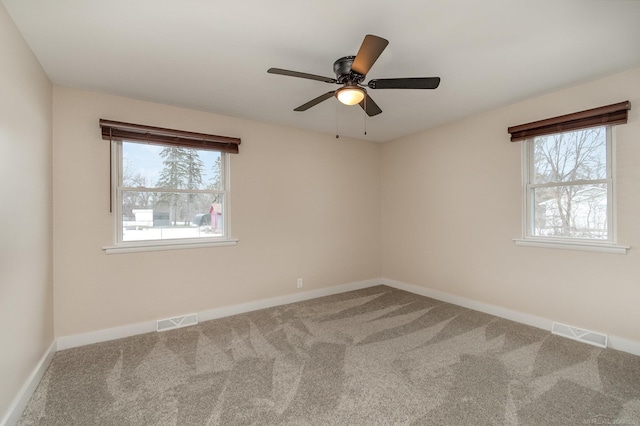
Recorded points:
(529, 218)
(169, 190)
(568, 183)
(118, 189)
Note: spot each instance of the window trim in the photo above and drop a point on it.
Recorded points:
(528, 239)
(571, 245)
(174, 245)
(120, 246)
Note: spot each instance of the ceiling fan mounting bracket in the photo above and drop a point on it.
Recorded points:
(344, 74)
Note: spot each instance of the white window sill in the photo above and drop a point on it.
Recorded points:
(572, 245)
(165, 245)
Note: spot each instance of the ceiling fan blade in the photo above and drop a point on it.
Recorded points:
(369, 106)
(315, 101)
(405, 83)
(370, 50)
(301, 75)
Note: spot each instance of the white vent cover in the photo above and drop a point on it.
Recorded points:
(177, 322)
(575, 333)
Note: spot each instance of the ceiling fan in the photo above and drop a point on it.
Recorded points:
(350, 73)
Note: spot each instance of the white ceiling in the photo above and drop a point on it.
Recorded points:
(213, 55)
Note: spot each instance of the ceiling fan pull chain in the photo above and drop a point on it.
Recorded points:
(365, 115)
(337, 135)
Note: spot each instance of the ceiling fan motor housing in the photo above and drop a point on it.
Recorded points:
(344, 74)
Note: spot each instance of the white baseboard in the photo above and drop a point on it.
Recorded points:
(624, 345)
(67, 342)
(75, 340)
(19, 403)
(614, 342)
(498, 311)
(284, 300)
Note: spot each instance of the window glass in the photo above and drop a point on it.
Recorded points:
(576, 211)
(169, 193)
(569, 185)
(156, 166)
(570, 156)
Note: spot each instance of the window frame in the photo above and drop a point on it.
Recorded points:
(121, 246)
(529, 238)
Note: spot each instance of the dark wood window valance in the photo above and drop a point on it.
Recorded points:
(606, 115)
(116, 130)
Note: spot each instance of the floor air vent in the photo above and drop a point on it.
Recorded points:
(177, 322)
(575, 333)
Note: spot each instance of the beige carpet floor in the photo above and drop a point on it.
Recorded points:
(378, 356)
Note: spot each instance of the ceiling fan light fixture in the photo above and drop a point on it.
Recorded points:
(350, 95)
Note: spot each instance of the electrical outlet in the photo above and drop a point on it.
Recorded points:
(299, 283)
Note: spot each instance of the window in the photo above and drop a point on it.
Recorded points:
(569, 185)
(168, 193)
(568, 180)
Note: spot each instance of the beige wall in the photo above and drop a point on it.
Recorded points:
(452, 205)
(308, 205)
(303, 205)
(26, 317)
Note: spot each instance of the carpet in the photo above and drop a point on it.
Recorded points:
(378, 356)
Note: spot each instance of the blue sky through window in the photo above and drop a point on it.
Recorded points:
(144, 159)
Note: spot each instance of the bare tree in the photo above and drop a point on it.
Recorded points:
(138, 199)
(568, 163)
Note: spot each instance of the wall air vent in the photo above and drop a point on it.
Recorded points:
(575, 333)
(177, 322)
